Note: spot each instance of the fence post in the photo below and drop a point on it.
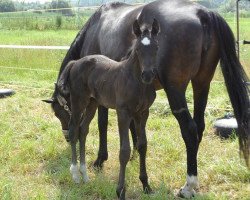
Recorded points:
(238, 29)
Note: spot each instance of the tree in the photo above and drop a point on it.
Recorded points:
(7, 6)
(57, 4)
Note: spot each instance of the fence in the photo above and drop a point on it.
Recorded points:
(18, 71)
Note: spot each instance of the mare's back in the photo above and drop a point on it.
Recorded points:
(111, 34)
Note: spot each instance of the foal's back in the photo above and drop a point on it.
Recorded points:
(112, 84)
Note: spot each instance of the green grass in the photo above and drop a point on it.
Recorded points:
(35, 158)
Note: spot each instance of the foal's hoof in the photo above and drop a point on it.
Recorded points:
(184, 193)
(75, 173)
(83, 171)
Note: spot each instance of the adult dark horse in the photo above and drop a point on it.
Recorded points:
(191, 43)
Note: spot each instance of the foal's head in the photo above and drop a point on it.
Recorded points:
(146, 50)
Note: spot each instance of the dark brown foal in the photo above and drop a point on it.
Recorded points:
(125, 86)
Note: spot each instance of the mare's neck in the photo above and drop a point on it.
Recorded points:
(132, 64)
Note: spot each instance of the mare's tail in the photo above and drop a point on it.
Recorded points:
(235, 79)
(63, 81)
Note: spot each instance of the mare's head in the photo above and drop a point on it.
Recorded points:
(146, 48)
(60, 105)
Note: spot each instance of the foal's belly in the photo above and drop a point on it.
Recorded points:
(104, 96)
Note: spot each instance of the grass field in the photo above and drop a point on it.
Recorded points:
(35, 158)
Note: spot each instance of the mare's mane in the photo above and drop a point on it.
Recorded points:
(76, 46)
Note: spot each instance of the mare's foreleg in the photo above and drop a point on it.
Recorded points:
(102, 125)
(123, 124)
(140, 124)
(84, 130)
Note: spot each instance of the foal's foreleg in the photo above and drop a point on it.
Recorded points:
(123, 124)
(77, 108)
(140, 124)
(84, 130)
(134, 138)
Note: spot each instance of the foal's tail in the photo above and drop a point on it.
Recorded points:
(235, 79)
(63, 81)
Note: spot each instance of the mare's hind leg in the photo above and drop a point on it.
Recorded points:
(78, 106)
(201, 85)
(178, 104)
(123, 123)
(84, 130)
(140, 124)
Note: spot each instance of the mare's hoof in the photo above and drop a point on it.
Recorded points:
(98, 165)
(183, 193)
(148, 190)
(120, 193)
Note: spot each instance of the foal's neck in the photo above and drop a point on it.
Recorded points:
(132, 64)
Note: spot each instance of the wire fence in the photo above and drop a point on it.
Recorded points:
(31, 19)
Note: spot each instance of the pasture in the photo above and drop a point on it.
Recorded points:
(35, 157)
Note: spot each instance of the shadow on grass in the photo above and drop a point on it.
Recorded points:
(100, 185)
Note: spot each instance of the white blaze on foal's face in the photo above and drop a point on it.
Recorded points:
(145, 41)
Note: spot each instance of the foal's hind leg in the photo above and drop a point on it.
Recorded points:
(84, 129)
(102, 125)
(140, 124)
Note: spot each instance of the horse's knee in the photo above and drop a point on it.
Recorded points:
(84, 129)
(192, 128)
(190, 135)
(73, 134)
(125, 154)
(142, 147)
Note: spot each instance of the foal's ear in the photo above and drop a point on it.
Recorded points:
(137, 29)
(155, 27)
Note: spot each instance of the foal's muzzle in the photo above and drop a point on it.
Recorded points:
(148, 76)
(66, 135)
